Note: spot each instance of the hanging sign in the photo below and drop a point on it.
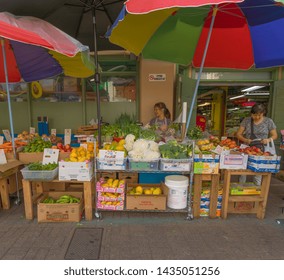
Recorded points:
(7, 135)
(157, 77)
(53, 131)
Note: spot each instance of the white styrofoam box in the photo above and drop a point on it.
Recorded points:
(233, 161)
(111, 164)
(264, 159)
(264, 163)
(175, 164)
(78, 171)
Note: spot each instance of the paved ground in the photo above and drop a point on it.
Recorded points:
(152, 236)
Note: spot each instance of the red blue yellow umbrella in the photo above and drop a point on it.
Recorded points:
(37, 50)
(33, 49)
(233, 34)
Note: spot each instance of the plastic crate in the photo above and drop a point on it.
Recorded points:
(143, 165)
(39, 175)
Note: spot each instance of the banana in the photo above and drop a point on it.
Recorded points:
(110, 181)
(115, 183)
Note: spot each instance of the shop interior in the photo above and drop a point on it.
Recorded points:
(224, 106)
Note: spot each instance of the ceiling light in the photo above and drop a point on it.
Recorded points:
(236, 97)
(256, 93)
(252, 88)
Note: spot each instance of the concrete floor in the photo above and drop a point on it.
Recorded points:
(152, 236)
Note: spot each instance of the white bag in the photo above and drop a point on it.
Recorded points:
(270, 147)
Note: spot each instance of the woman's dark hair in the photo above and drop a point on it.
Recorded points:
(258, 108)
(162, 106)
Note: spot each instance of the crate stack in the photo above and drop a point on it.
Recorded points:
(110, 194)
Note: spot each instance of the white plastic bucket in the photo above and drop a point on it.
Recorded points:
(177, 194)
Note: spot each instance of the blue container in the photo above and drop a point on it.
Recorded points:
(153, 178)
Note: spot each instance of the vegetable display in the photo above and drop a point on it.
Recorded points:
(40, 166)
(174, 150)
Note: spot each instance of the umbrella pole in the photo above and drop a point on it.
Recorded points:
(215, 9)
(10, 112)
(97, 77)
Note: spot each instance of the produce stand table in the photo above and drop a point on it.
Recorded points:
(260, 199)
(28, 199)
(4, 187)
(197, 187)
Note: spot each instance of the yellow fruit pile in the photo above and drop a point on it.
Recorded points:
(113, 203)
(139, 190)
(115, 146)
(81, 154)
(113, 183)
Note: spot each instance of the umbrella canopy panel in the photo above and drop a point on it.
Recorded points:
(244, 34)
(36, 50)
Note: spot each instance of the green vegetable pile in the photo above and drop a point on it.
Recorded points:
(40, 166)
(62, 199)
(148, 134)
(195, 133)
(174, 150)
(37, 145)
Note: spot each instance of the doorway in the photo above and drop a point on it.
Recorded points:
(225, 105)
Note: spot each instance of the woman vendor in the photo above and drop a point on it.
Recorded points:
(162, 117)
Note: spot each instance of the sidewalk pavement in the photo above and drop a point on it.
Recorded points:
(152, 236)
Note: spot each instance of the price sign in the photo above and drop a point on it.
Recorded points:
(67, 136)
(50, 156)
(53, 131)
(1, 140)
(32, 130)
(3, 159)
(7, 135)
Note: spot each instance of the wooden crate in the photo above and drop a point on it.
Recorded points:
(245, 204)
(198, 179)
(107, 175)
(128, 177)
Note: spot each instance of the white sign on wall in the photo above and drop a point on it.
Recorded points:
(157, 77)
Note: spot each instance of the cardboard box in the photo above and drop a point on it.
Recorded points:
(12, 183)
(11, 163)
(206, 164)
(233, 161)
(78, 171)
(114, 206)
(106, 175)
(175, 164)
(128, 177)
(146, 202)
(264, 163)
(60, 212)
(100, 188)
(27, 158)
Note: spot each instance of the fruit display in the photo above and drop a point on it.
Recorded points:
(62, 148)
(25, 136)
(115, 146)
(139, 190)
(112, 183)
(62, 199)
(228, 144)
(254, 151)
(81, 154)
(37, 145)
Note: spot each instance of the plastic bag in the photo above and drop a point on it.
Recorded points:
(270, 147)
